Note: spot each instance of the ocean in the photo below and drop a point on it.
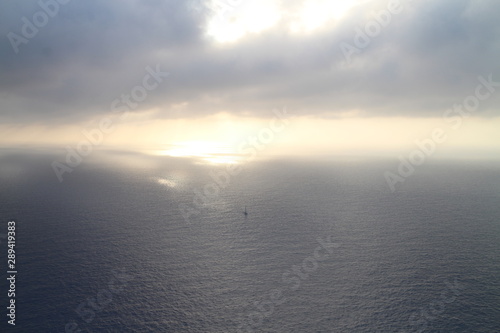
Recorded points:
(129, 242)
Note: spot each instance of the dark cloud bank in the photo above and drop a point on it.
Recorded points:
(428, 58)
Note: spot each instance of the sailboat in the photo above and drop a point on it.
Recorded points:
(245, 212)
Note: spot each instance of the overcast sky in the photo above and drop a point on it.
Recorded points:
(246, 59)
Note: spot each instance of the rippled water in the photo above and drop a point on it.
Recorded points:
(423, 259)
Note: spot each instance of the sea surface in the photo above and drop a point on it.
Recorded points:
(130, 242)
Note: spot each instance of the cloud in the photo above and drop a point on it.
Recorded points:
(424, 61)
